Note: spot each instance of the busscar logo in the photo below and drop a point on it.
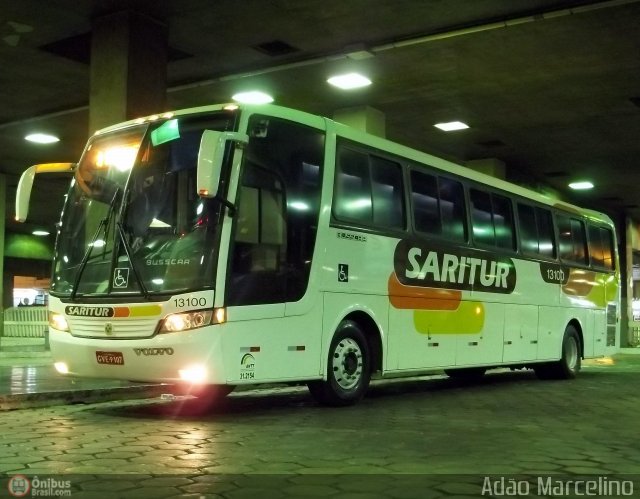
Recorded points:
(437, 266)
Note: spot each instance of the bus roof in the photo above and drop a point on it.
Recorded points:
(374, 141)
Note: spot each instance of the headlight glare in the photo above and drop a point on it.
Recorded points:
(185, 321)
(58, 321)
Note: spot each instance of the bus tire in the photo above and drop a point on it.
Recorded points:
(569, 364)
(348, 368)
(466, 373)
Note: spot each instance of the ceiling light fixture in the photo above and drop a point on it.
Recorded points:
(349, 81)
(42, 138)
(252, 97)
(583, 185)
(40, 233)
(451, 126)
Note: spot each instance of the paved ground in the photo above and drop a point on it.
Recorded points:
(412, 438)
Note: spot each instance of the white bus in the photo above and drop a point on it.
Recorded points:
(224, 245)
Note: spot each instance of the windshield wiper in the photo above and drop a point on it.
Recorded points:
(128, 251)
(104, 223)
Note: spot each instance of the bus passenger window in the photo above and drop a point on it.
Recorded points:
(572, 239)
(438, 206)
(536, 231)
(481, 218)
(529, 243)
(388, 197)
(353, 187)
(424, 194)
(452, 209)
(601, 247)
(492, 219)
(503, 222)
(546, 239)
(368, 190)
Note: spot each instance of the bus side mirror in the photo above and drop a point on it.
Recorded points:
(25, 185)
(210, 156)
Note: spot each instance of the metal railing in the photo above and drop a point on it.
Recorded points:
(25, 322)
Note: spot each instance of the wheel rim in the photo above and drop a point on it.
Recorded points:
(571, 353)
(347, 363)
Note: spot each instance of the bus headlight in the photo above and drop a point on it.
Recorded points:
(57, 321)
(185, 321)
(193, 374)
(61, 367)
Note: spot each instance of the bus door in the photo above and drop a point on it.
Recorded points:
(274, 315)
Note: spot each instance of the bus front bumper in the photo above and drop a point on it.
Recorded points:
(192, 357)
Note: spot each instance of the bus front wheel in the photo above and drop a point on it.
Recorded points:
(569, 364)
(348, 368)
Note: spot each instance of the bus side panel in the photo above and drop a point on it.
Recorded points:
(269, 349)
(549, 333)
(417, 339)
(526, 319)
(484, 347)
(355, 270)
(585, 296)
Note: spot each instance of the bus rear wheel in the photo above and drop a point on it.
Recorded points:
(569, 364)
(348, 368)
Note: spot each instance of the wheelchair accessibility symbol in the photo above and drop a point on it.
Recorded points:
(121, 277)
(343, 272)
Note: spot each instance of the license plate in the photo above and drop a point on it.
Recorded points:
(112, 358)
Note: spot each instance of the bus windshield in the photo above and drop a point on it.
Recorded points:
(133, 223)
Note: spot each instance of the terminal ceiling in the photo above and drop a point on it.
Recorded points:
(549, 87)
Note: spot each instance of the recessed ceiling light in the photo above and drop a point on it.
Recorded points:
(451, 126)
(581, 186)
(40, 233)
(42, 138)
(252, 97)
(349, 81)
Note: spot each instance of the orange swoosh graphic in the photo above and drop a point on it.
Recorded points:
(580, 282)
(416, 298)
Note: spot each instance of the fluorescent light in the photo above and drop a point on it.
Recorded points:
(42, 138)
(252, 97)
(581, 186)
(349, 81)
(40, 233)
(451, 126)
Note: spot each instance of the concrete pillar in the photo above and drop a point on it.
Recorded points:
(128, 68)
(363, 118)
(489, 166)
(3, 214)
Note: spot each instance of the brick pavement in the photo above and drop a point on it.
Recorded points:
(430, 437)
